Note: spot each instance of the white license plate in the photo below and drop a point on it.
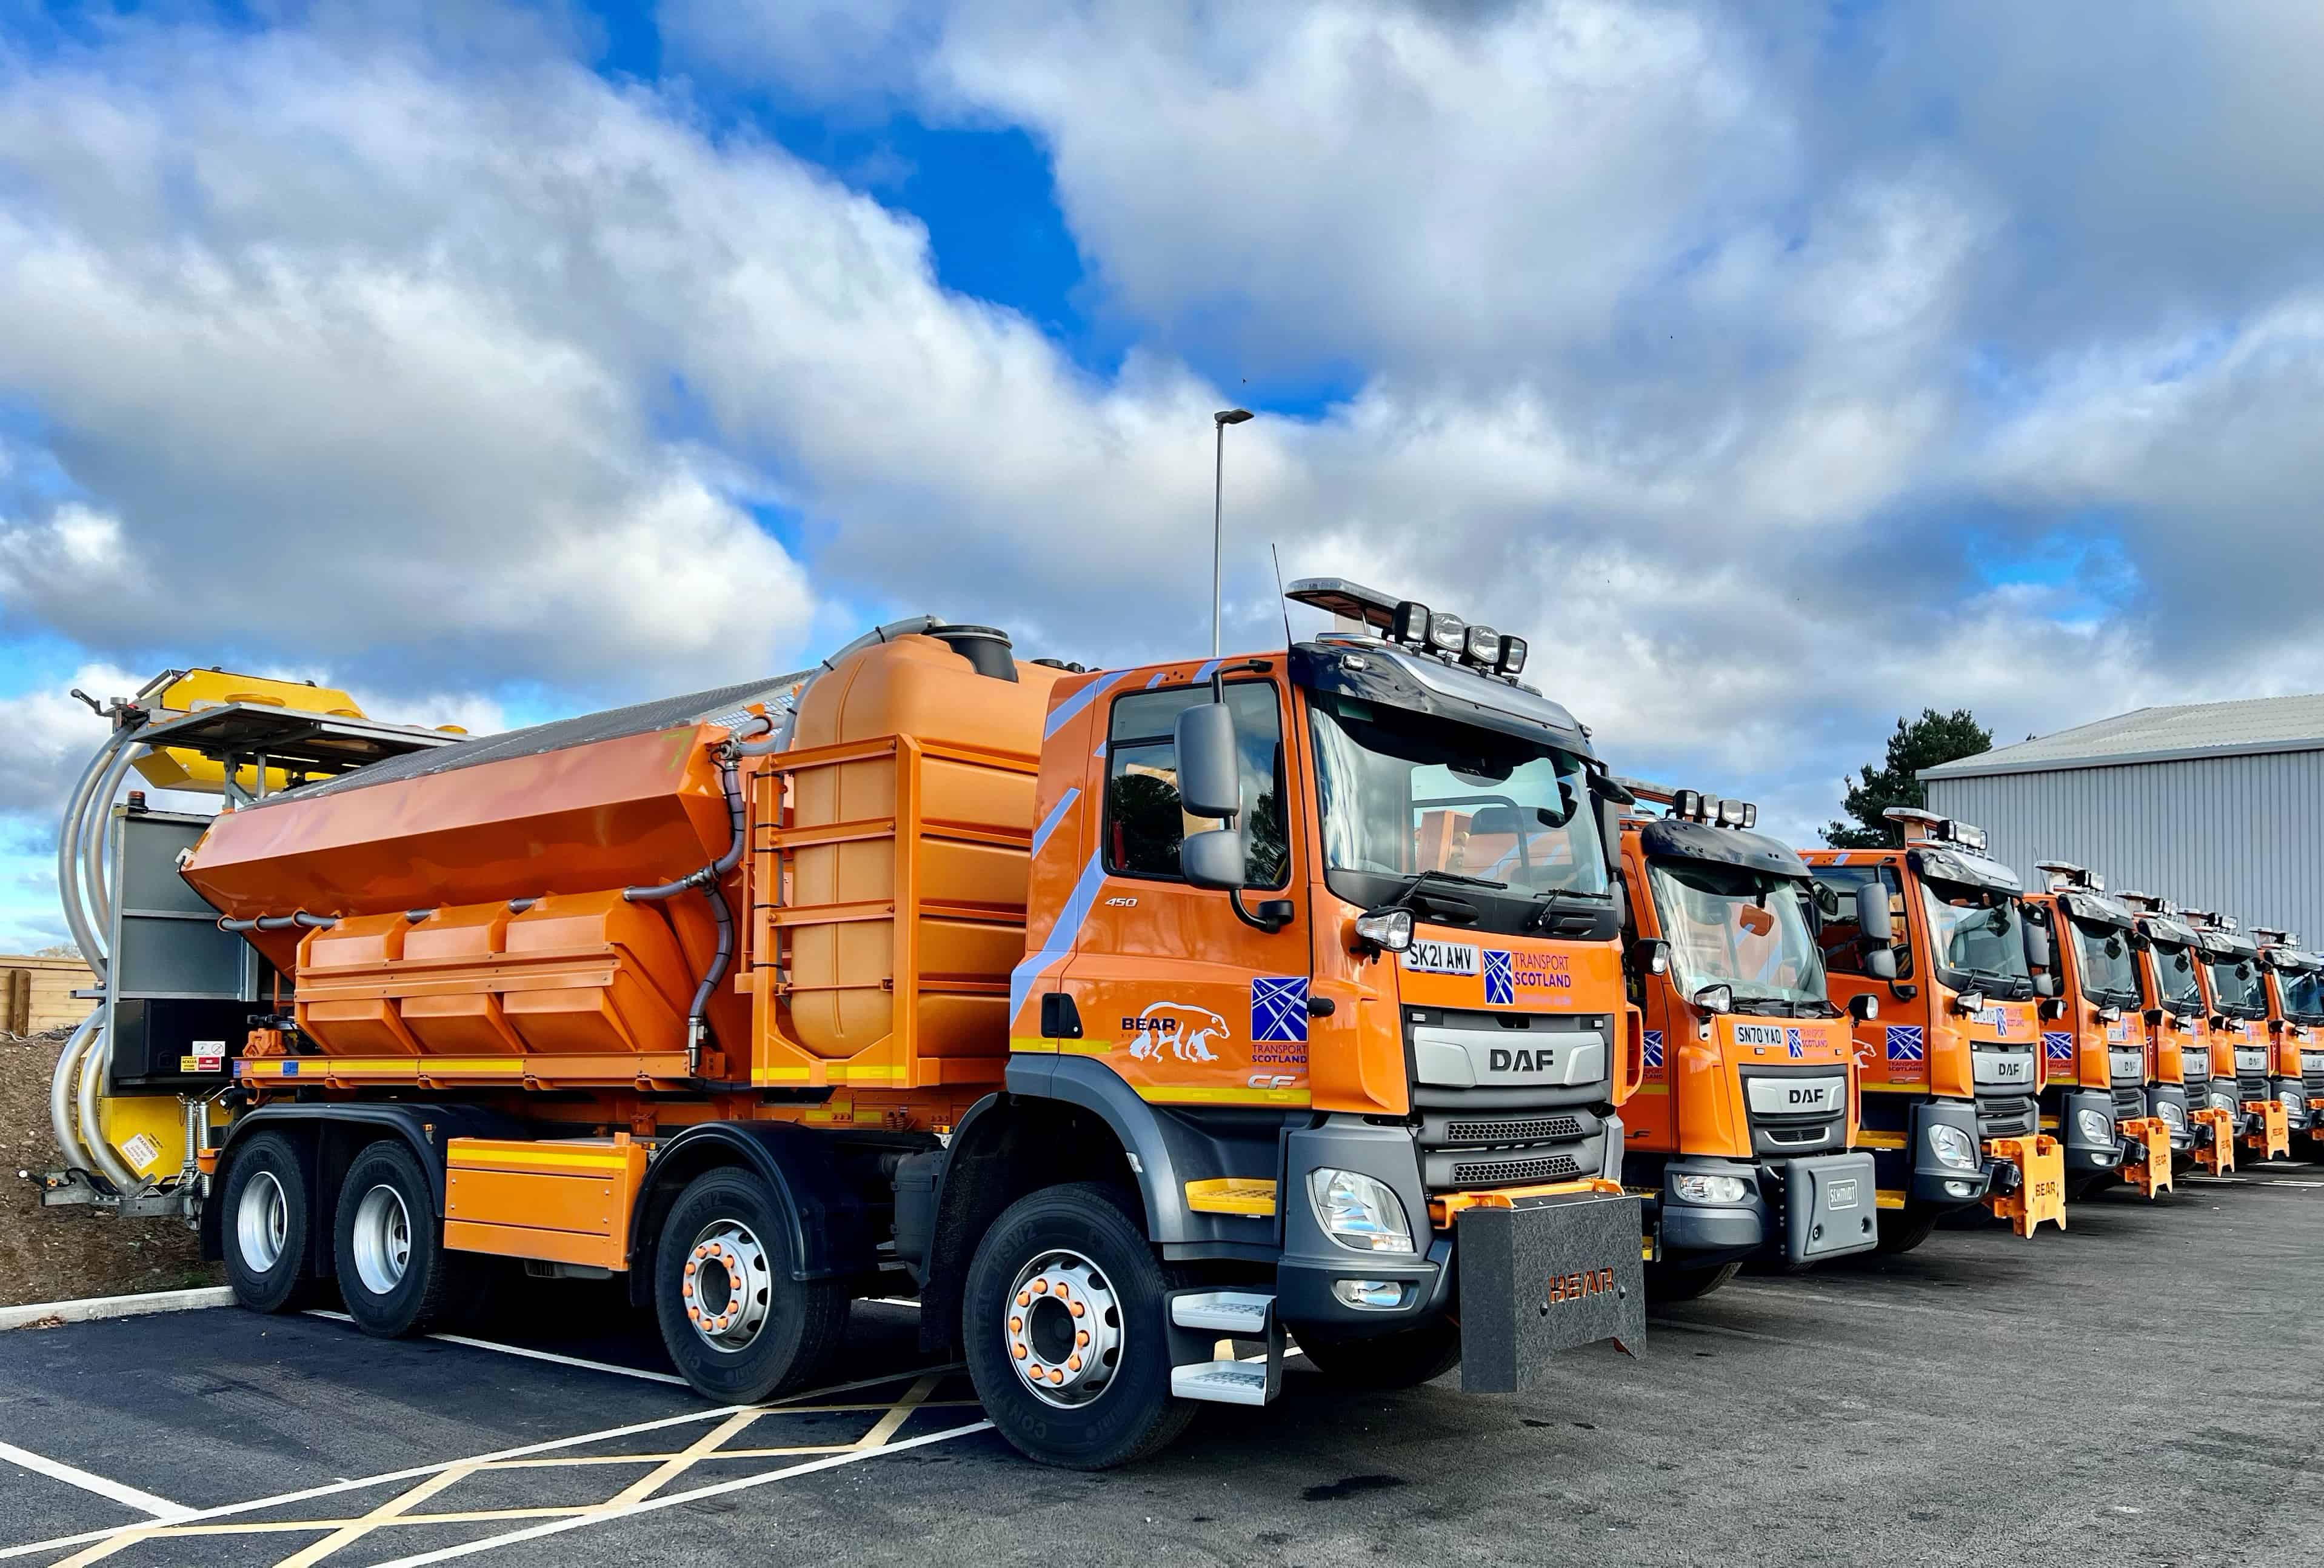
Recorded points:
(1841, 1194)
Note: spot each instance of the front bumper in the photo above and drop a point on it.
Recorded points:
(1812, 1207)
(1934, 1184)
(2084, 1153)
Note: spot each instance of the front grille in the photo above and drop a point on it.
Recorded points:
(2128, 1104)
(2313, 1083)
(1814, 1135)
(1515, 1130)
(1502, 1173)
(2007, 1115)
(2249, 1087)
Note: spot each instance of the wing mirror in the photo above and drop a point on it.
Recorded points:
(1210, 783)
(2045, 985)
(1213, 859)
(1872, 914)
(1880, 963)
(2040, 952)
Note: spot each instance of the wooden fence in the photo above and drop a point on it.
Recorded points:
(36, 994)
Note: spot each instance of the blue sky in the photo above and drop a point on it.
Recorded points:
(1778, 368)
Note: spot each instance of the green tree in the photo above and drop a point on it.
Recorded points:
(1925, 741)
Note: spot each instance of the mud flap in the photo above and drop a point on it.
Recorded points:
(2149, 1170)
(1546, 1274)
(2040, 1191)
(2271, 1134)
(2215, 1154)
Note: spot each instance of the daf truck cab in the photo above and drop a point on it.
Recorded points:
(2094, 1039)
(1110, 1014)
(1741, 1137)
(2295, 1026)
(2179, 1036)
(2235, 1004)
(1950, 1063)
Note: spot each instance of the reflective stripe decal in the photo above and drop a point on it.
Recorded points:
(1057, 815)
(1062, 935)
(1065, 710)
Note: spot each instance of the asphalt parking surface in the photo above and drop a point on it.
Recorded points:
(2140, 1389)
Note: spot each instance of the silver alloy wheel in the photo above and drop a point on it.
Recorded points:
(1063, 1329)
(727, 1286)
(383, 1239)
(261, 1222)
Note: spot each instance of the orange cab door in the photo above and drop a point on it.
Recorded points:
(1189, 1005)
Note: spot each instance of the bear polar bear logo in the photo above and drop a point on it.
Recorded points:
(1187, 1030)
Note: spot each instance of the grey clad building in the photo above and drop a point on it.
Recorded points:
(2219, 806)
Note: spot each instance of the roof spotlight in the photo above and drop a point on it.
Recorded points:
(1513, 656)
(1411, 624)
(1484, 645)
(1447, 633)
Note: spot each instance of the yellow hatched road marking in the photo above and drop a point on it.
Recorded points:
(653, 1480)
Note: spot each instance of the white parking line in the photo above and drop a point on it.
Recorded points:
(415, 1472)
(648, 1505)
(532, 1355)
(128, 1497)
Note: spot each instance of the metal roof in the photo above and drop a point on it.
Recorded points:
(2160, 735)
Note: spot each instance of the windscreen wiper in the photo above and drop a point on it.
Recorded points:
(1453, 909)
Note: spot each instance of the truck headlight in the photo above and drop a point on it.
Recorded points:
(2096, 1126)
(1709, 1189)
(1359, 1213)
(2292, 1103)
(2223, 1102)
(2171, 1114)
(1952, 1147)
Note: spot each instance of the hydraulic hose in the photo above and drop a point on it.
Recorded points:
(95, 1063)
(708, 878)
(69, 861)
(60, 1097)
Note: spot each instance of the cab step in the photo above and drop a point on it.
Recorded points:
(1203, 1366)
(1221, 1382)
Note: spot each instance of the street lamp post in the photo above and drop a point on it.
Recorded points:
(1223, 419)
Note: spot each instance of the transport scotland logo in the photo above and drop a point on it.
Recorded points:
(1500, 981)
(1653, 1047)
(1279, 1008)
(1903, 1043)
(1794, 1044)
(2058, 1045)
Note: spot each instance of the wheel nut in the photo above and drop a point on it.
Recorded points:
(1015, 1325)
(1040, 1288)
(1024, 1299)
(1073, 1363)
(1077, 1309)
(1056, 1376)
(1018, 1350)
(1081, 1337)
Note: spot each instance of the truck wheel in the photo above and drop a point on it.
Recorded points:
(1669, 1282)
(1404, 1360)
(1064, 1330)
(266, 1226)
(1901, 1231)
(737, 1326)
(395, 1273)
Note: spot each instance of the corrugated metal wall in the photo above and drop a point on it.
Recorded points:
(2243, 835)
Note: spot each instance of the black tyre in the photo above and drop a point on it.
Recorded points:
(1670, 1282)
(737, 1326)
(1902, 1230)
(395, 1273)
(1065, 1289)
(266, 1226)
(1404, 1360)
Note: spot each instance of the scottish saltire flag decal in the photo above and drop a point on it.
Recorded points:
(1653, 1047)
(1500, 981)
(1794, 1044)
(2058, 1046)
(1903, 1043)
(1279, 1008)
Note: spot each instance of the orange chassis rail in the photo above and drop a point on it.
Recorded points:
(2041, 1194)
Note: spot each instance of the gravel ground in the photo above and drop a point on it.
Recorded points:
(60, 1254)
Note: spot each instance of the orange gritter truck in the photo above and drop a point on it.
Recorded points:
(1112, 1014)
(1741, 1138)
(2295, 1028)
(1934, 932)
(2179, 1039)
(2238, 1007)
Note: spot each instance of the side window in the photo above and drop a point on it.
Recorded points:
(1143, 823)
(1838, 937)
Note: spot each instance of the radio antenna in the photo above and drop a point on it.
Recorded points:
(1277, 556)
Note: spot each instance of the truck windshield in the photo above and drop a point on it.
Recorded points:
(2303, 994)
(1976, 939)
(1510, 821)
(1742, 928)
(2174, 970)
(2235, 982)
(2109, 972)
